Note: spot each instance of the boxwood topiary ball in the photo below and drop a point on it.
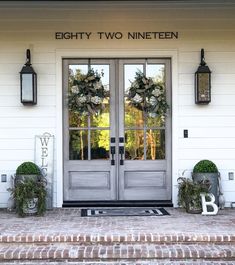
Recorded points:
(205, 166)
(28, 168)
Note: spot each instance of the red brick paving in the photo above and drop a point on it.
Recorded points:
(65, 236)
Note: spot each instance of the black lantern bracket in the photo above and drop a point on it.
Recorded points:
(203, 82)
(28, 82)
(28, 57)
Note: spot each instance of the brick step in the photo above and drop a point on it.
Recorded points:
(105, 239)
(136, 262)
(114, 252)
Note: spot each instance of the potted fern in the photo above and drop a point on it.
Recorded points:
(29, 191)
(207, 170)
(189, 194)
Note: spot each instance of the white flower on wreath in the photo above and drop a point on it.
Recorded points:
(152, 114)
(75, 89)
(137, 99)
(82, 99)
(96, 100)
(153, 101)
(156, 92)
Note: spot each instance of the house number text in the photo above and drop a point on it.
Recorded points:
(117, 35)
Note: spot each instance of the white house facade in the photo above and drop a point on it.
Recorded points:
(124, 154)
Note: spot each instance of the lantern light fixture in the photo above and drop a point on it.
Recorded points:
(28, 82)
(203, 82)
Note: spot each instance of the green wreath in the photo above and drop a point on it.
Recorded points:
(148, 96)
(87, 94)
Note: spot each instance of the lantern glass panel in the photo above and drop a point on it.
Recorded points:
(203, 87)
(27, 90)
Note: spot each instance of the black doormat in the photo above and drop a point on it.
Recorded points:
(124, 212)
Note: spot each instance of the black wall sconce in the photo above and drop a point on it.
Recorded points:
(203, 82)
(28, 82)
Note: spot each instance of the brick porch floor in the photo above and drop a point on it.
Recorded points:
(63, 236)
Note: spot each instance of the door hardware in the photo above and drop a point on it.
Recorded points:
(112, 153)
(121, 152)
(121, 139)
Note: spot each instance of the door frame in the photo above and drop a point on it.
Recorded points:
(113, 53)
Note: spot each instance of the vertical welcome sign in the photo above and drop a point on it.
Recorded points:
(44, 158)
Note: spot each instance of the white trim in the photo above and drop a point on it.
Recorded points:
(114, 53)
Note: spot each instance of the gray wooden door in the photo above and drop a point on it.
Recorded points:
(120, 154)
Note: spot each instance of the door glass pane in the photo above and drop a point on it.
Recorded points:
(148, 143)
(155, 122)
(78, 145)
(134, 144)
(155, 144)
(100, 144)
(156, 71)
(89, 143)
(102, 119)
(77, 119)
(133, 116)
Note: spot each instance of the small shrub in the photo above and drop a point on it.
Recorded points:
(28, 168)
(205, 166)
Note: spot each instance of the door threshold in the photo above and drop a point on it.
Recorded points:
(158, 203)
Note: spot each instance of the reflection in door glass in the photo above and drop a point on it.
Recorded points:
(97, 119)
(75, 71)
(133, 116)
(100, 144)
(77, 120)
(155, 144)
(154, 122)
(134, 144)
(102, 119)
(156, 72)
(78, 145)
(88, 143)
(145, 133)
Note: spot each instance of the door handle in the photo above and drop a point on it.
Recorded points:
(121, 152)
(112, 154)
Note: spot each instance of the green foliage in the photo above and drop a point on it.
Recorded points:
(146, 95)
(205, 166)
(28, 168)
(87, 94)
(189, 192)
(29, 188)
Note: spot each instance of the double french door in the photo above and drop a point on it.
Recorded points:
(120, 153)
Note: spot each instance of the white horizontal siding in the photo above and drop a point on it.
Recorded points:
(41, 110)
(217, 89)
(28, 122)
(12, 101)
(216, 101)
(214, 110)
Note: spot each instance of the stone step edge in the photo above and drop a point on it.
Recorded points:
(118, 252)
(114, 238)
